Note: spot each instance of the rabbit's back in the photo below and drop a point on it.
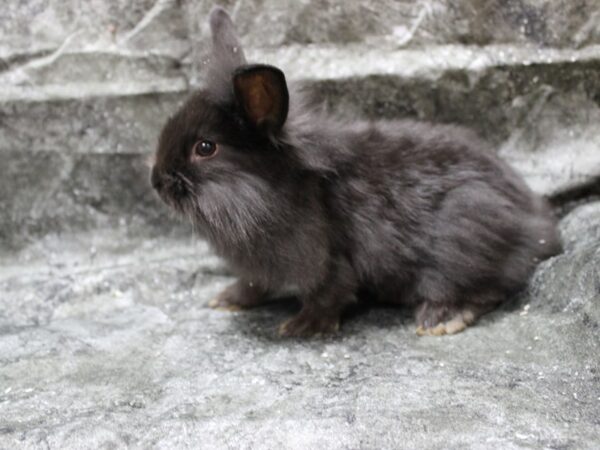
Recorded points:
(424, 201)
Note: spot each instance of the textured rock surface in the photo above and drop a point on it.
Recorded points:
(72, 175)
(543, 115)
(31, 26)
(115, 346)
(105, 337)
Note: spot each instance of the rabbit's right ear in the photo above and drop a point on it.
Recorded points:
(227, 53)
(262, 95)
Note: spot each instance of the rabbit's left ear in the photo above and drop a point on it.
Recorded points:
(262, 95)
(227, 53)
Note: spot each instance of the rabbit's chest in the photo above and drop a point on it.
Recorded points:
(281, 260)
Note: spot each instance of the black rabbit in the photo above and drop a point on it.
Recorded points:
(419, 214)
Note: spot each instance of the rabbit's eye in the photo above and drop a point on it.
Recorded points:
(204, 148)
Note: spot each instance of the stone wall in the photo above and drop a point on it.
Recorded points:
(100, 77)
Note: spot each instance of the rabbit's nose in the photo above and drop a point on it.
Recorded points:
(156, 179)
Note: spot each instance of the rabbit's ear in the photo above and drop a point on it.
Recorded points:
(227, 51)
(261, 93)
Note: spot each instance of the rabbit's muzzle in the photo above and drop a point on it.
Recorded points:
(170, 186)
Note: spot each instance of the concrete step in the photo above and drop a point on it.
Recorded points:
(172, 27)
(69, 146)
(490, 89)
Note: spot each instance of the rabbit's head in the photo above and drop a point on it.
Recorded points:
(220, 160)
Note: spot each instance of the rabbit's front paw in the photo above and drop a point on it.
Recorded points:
(309, 324)
(239, 295)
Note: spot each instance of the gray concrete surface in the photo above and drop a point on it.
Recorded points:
(105, 337)
(106, 341)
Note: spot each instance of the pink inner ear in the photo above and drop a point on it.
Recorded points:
(262, 94)
(258, 101)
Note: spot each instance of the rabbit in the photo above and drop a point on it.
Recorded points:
(420, 215)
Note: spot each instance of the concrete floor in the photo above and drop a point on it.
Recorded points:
(106, 342)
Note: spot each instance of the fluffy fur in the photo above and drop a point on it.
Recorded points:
(417, 214)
